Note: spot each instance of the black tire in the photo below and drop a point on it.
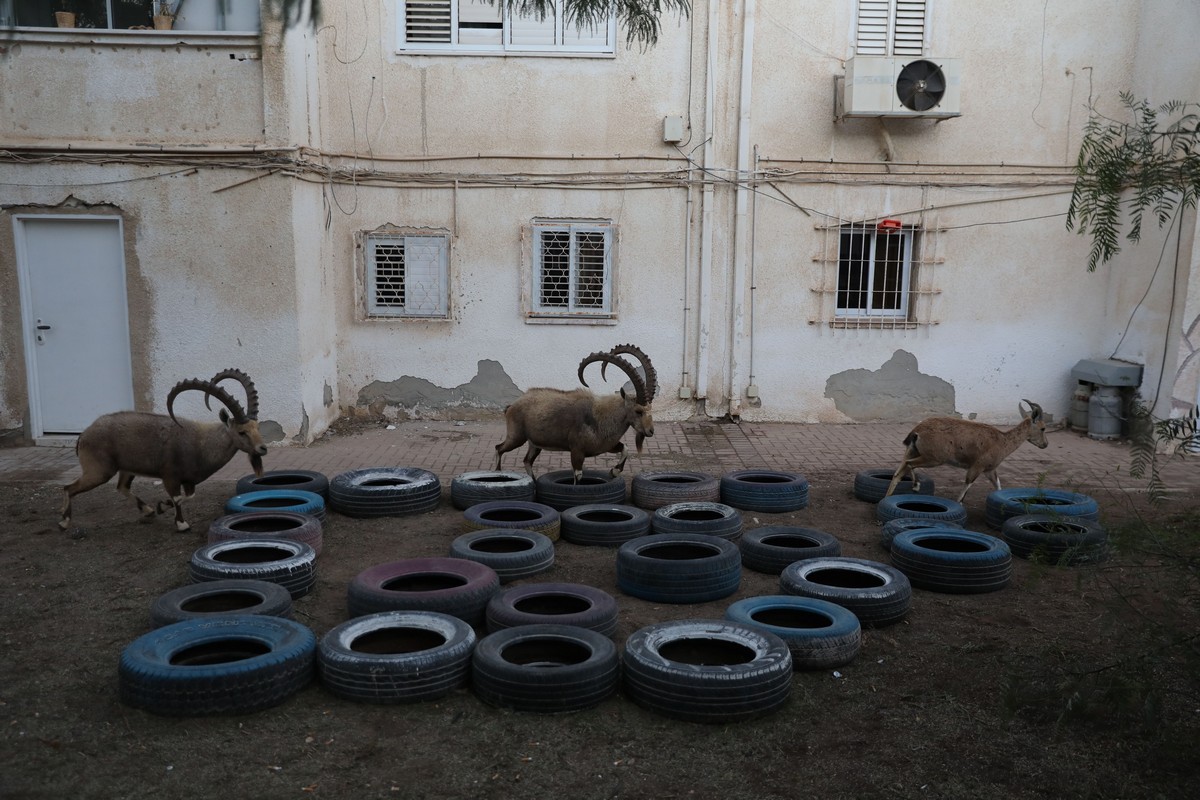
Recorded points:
(384, 492)
(282, 561)
(511, 552)
(293, 500)
(895, 526)
(871, 485)
(772, 547)
(1007, 503)
(220, 598)
(559, 491)
(712, 671)
(545, 669)
(878, 594)
(483, 486)
(712, 519)
(396, 657)
(299, 480)
(554, 604)
(603, 524)
(514, 514)
(820, 634)
(1052, 539)
(766, 490)
(453, 586)
(275, 524)
(952, 560)
(653, 490)
(224, 665)
(679, 568)
(920, 506)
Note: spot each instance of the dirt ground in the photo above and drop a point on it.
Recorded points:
(1058, 686)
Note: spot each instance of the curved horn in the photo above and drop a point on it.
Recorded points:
(647, 368)
(639, 386)
(247, 384)
(1034, 409)
(209, 388)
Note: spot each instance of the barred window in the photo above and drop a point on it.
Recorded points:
(407, 276)
(572, 273)
(874, 269)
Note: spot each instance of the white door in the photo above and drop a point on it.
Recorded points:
(76, 320)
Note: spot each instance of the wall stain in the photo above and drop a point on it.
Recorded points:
(896, 392)
(490, 389)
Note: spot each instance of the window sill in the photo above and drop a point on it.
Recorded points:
(545, 320)
(417, 51)
(869, 323)
(116, 36)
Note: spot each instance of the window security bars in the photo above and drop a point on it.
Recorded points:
(572, 273)
(407, 276)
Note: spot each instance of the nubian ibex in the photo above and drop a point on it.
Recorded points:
(179, 452)
(580, 422)
(973, 446)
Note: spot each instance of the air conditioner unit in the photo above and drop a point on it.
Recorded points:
(893, 86)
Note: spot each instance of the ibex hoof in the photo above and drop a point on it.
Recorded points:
(182, 527)
(63, 524)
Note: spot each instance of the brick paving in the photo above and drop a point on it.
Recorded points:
(449, 448)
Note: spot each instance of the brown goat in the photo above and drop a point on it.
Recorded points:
(181, 453)
(580, 422)
(973, 446)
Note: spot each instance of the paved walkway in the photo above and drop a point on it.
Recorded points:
(448, 448)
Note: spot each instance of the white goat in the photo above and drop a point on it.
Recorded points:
(580, 422)
(973, 446)
(181, 453)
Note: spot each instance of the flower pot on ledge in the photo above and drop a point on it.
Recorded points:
(64, 19)
(163, 22)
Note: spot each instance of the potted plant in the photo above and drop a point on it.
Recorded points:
(64, 18)
(164, 14)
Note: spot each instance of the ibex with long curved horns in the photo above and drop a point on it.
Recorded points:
(180, 452)
(580, 422)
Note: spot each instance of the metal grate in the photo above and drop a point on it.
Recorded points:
(407, 276)
(574, 269)
(389, 276)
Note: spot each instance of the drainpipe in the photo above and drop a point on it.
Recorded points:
(707, 200)
(741, 218)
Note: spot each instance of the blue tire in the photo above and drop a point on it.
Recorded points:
(920, 506)
(820, 634)
(895, 526)
(226, 665)
(1004, 504)
(766, 490)
(952, 560)
(679, 568)
(294, 500)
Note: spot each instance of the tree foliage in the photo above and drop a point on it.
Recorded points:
(1153, 160)
(640, 18)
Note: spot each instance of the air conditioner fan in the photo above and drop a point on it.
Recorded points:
(920, 85)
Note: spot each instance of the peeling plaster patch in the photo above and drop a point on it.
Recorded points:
(896, 392)
(271, 431)
(490, 388)
(302, 436)
(327, 398)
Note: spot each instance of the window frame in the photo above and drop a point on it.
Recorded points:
(505, 47)
(536, 309)
(904, 309)
(369, 306)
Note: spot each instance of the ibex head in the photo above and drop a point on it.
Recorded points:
(637, 408)
(1037, 424)
(241, 424)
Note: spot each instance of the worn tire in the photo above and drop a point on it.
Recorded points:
(546, 669)
(820, 634)
(603, 524)
(1052, 539)
(765, 490)
(282, 561)
(396, 657)
(220, 598)
(232, 664)
(296, 501)
(298, 480)
(772, 547)
(878, 594)
(952, 560)
(1007, 503)
(679, 568)
(920, 506)
(513, 553)
(870, 485)
(483, 486)
(453, 586)
(892, 527)
(275, 524)
(384, 492)
(519, 514)
(711, 671)
(559, 491)
(553, 603)
(711, 519)
(651, 490)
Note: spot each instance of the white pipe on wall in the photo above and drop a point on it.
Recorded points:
(741, 218)
(707, 200)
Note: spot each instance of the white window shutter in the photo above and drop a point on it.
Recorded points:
(427, 21)
(528, 29)
(874, 18)
(479, 22)
(425, 279)
(909, 36)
